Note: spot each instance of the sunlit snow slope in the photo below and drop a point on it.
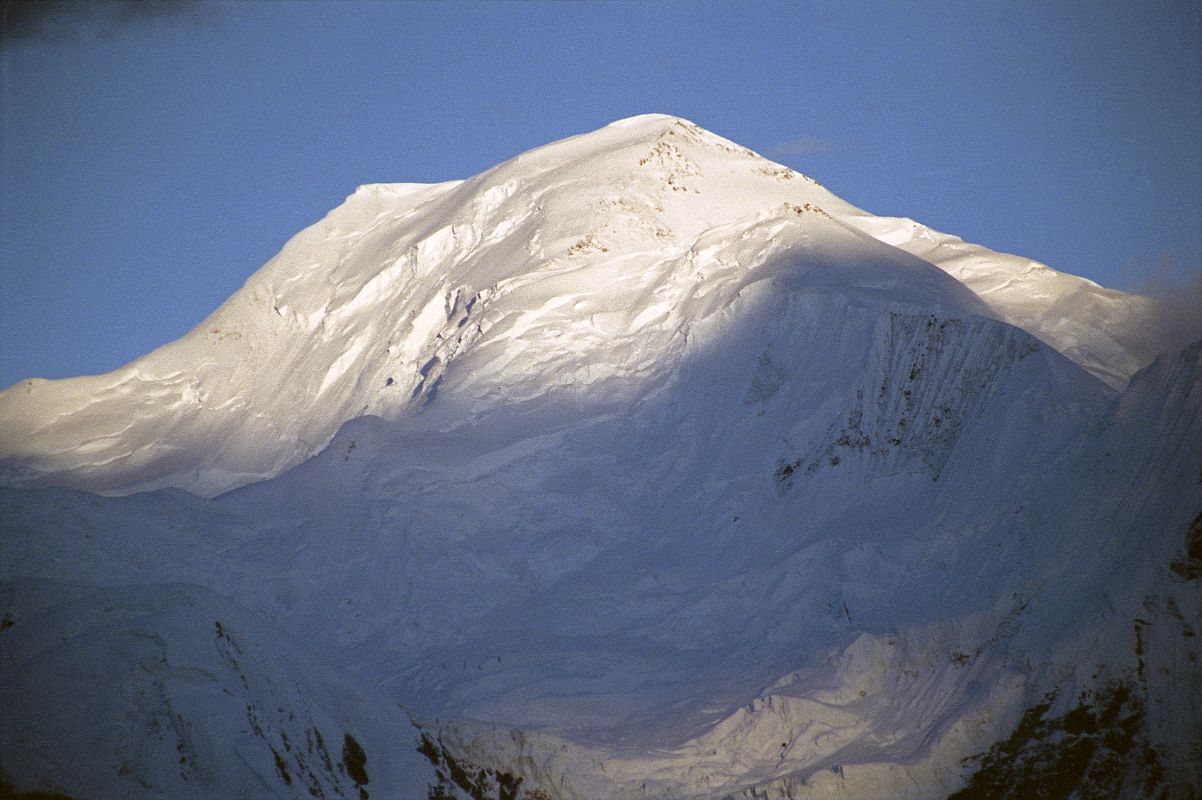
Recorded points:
(606, 240)
(636, 467)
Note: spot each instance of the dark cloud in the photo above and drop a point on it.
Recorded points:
(64, 20)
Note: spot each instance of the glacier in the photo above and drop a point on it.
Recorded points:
(637, 466)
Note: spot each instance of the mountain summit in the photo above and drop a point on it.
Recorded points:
(619, 239)
(637, 466)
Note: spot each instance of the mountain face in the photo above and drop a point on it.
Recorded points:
(638, 466)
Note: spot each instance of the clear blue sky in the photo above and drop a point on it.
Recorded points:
(154, 158)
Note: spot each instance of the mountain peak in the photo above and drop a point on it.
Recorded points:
(650, 118)
(594, 257)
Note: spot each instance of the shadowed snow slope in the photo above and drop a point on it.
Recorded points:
(636, 467)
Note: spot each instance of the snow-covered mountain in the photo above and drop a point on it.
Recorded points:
(638, 466)
(613, 240)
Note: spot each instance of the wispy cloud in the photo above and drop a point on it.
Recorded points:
(1167, 276)
(801, 146)
(28, 21)
(1177, 318)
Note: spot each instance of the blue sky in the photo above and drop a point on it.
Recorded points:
(152, 161)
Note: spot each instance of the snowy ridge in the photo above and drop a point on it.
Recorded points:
(607, 230)
(308, 325)
(1110, 333)
(631, 468)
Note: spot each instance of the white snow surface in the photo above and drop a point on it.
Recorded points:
(638, 466)
(584, 260)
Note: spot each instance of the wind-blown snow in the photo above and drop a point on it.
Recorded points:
(637, 466)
